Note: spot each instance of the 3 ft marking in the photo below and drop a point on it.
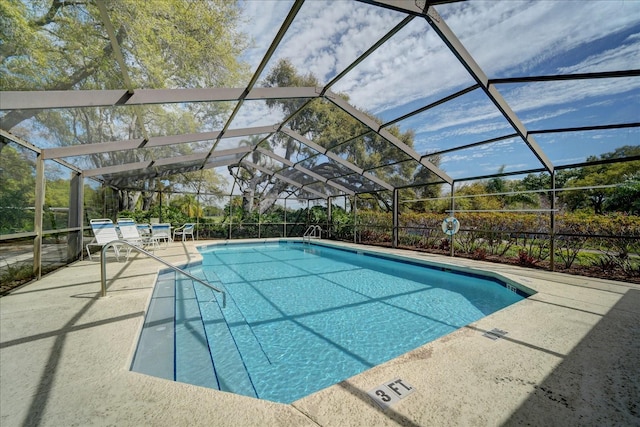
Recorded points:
(391, 392)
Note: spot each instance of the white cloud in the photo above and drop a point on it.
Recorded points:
(538, 95)
(262, 19)
(326, 36)
(256, 113)
(619, 58)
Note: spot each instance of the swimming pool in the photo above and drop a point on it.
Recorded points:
(301, 317)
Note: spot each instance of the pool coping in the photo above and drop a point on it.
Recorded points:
(567, 358)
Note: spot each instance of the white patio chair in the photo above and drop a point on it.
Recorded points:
(184, 231)
(104, 231)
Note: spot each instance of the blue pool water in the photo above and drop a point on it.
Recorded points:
(299, 318)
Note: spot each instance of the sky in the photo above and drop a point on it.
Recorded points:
(506, 38)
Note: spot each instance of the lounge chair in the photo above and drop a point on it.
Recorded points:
(129, 231)
(144, 230)
(184, 231)
(160, 232)
(104, 231)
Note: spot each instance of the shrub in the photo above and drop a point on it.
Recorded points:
(526, 260)
(606, 262)
(479, 254)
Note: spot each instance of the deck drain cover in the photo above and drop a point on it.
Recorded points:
(495, 333)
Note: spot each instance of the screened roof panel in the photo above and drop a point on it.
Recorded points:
(357, 184)
(108, 159)
(309, 194)
(326, 166)
(562, 104)
(136, 177)
(517, 38)
(298, 176)
(370, 151)
(509, 155)
(574, 147)
(248, 141)
(296, 150)
(406, 173)
(327, 125)
(187, 117)
(404, 74)
(196, 28)
(256, 113)
(59, 127)
(321, 187)
(270, 163)
(467, 119)
(261, 21)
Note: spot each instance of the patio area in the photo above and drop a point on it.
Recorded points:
(570, 357)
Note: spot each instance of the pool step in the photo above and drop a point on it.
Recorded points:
(236, 349)
(154, 354)
(192, 356)
(196, 340)
(244, 335)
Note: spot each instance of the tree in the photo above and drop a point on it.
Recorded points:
(63, 45)
(188, 205)
(248, 177)
(17, 191)
(600, 175)
(475, 201)
(626, 198)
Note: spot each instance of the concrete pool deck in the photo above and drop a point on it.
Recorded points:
(571, 356)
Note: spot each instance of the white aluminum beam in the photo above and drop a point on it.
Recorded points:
(88, 149)
(126, 167)
(181, 159)
(25, 100)
(274, 156)
(412, 7)
(155, 141)
(11, 137)
(219, 163)
(107, 170)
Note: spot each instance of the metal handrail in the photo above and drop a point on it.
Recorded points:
(311, 232)
(103, 268)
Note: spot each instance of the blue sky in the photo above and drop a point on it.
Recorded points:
(507, 39)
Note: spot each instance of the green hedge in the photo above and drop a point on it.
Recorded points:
(602, 241)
